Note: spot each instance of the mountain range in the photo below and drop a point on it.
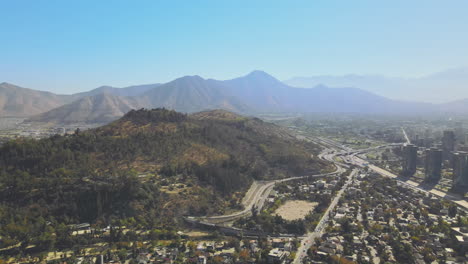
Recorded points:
(99, 109)
(440, 87)
(20, 102)
(254, 93)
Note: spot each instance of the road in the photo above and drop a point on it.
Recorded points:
(309, 239)
(411, 184)
(408, 141)
(349, 156)
(258, 197)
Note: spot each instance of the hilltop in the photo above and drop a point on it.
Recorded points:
(133, 90)
(193, 94)
(98, 109)
(150, 165)
(20, 102)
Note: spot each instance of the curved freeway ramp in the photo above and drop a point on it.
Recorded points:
(256, 197)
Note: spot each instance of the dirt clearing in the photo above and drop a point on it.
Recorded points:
(295, 209)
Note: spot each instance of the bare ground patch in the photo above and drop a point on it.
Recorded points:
(295, 209)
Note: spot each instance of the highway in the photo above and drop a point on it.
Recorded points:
(349, 156)
(408, 141)
(411, 184)
(257, 196)
(309, 239)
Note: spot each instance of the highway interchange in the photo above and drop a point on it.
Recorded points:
(256, 198)
(350, 158)
(257, 195)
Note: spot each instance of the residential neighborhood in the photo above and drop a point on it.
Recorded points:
(379, 220)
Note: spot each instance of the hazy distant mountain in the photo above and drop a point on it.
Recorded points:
(193, 94)
(23, 102)
(20, 102)
(440, 87)
(186, 94)
(374, 83)
(265, 93)
(352, 100)
(134, 90)
(97, 109)
(458, 107)
(261, 91)
(256, 92)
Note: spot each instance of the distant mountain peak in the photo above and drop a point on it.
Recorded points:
(7, 84)
(260, 74)
(187, 81)
(105, 87)
(21, 102)
(257, 79)
(453, 73)
(190, 78)
(96, 109)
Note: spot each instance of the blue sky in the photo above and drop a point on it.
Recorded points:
(70, 46)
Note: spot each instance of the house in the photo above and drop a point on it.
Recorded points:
(461, 234)
(201, 247)
(326, 249)
(339, 216)
(320, 184)
(277, 255)
(143, 259)
(201, 260)
(357, 242)
(450, 252)
(209, 246)
(277, 243)
(254, 246)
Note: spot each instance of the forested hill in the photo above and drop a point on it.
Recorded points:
(152, 165)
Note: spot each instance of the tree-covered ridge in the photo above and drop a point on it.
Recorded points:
(131, 167)
(159, 115)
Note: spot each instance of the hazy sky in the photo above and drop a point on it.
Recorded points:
(69, 46)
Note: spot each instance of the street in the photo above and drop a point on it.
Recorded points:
(309, 239)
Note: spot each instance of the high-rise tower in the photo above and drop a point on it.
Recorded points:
(410, 156)
(460, 169)
(448, 144)
(433, 164)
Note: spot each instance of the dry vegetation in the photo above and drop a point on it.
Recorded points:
(295, 209)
